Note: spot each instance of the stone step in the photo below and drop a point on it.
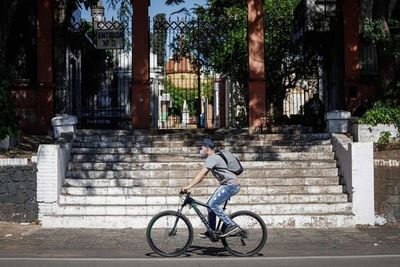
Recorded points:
(135, 210)
(195, 150)
(327, 220)
(281, 129)
(289, 129)
(175, 200)
(331, 163)
(160, 191)
(197, 157)
(131, 136)
(122, 178)
(137, 182)
(173, 174)
(180, 143)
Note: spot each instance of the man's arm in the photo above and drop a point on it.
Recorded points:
(197, 179)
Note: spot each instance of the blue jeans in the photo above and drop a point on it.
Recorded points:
(220, 195)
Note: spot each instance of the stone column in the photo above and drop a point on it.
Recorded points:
(140, 100)
(257, 90)
(351, 38)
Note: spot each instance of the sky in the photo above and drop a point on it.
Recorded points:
(156, 6)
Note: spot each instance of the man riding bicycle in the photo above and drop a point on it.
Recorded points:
(229, 186)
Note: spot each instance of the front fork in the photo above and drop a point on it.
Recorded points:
(173, 229)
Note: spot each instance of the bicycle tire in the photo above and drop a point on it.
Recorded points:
(152, 233)
(256, 245)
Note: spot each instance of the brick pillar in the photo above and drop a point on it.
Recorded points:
(34, 101)
(257, 90)
(140, 101)
(44, 94)
(351, 38)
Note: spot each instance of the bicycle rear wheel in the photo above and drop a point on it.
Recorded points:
(169, 234)
(251, 239)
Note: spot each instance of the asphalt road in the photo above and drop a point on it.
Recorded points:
(326, 261)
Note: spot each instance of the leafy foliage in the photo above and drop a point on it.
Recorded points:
(384, 139)
(158, 38)
(391, 95)
(386, 33)
(382, 113)
(215, 39)
(287, 62)
(218, 39)
(174, 2)
(179, 94)
(374, 30)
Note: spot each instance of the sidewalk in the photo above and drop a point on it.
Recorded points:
(33, 241)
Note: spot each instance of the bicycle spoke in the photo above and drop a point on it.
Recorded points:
(169, 235)
(250, 239)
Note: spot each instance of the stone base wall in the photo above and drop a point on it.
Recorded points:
(18, 201)
(368, 133)
(387, 190)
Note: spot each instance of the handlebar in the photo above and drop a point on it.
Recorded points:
(188, 193)
(185, 196)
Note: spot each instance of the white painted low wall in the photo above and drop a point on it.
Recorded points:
(356, 165)
(52, 161)
(368, 133)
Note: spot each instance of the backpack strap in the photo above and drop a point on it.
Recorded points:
(219, 153)
(223, 157)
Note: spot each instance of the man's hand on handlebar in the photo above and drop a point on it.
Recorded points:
(184, 190)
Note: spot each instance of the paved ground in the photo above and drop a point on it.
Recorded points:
(33, 241)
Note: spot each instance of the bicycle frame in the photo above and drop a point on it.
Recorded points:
(193, 203)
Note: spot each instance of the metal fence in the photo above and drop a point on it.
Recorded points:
(182, 90)
(93, 79)
(368, 58)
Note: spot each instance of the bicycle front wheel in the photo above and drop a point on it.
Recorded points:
(252, 237)
(169, 234)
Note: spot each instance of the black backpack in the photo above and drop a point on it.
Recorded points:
(231, 161)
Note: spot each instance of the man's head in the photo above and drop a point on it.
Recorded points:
(207, 146)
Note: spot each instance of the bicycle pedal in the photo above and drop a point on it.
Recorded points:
(212, 239)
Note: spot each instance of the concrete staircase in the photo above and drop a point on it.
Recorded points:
(122, 178)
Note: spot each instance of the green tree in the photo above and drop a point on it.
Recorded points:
(218, 41)
(159, 37)
(287, 62)
(383, 30)
(215, 39)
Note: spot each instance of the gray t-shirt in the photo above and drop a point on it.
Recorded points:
(219, 169)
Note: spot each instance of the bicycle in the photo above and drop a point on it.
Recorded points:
(170, 233)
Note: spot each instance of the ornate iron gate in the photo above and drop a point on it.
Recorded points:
(182, 90)
(94, 73)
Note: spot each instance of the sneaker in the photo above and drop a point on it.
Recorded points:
(230, 230)
(204, 235)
